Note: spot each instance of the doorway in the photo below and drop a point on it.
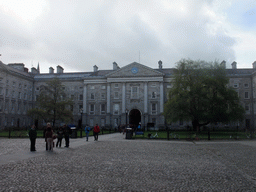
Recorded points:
(134, 118)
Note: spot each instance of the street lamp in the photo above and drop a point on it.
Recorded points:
(81, 111)
(126, 112)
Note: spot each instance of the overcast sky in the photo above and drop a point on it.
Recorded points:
(78, 34)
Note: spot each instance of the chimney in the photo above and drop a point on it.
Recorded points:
(234, 64)
(95, 68)
(115, 66)
(254, 65)
(160, 64)
(223, 64)
(59, 69)
(51, 70)
(34, 70)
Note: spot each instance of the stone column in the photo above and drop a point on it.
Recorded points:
(161, 97)
(85, 99)
(123, 98)
(108, 98)
(145, 97)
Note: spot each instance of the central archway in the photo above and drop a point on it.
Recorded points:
(134, 118)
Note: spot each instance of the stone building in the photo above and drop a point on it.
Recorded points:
(131, 94)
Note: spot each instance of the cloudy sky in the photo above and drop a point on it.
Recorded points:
(78, 34)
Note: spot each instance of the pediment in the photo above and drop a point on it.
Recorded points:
(135, 70)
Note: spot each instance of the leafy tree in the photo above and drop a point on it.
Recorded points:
(200, 94)
(52, 104)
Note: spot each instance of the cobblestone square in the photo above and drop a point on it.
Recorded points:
(117, 164)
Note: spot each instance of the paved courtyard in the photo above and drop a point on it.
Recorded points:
(116, 164)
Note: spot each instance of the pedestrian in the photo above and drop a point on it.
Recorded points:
(49, 138)
(32, 136)
(67, 132)
(87, 131)
(96, 131)
(60, 134)
(45, 129)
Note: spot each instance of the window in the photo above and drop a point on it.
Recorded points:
(80, 107)
(13, 94)
(103, 87)
(92, 96)
(19, 85)
(1, 90)
(235, 85)
(71, 108)
(154, 108)
(246, 95)
(116, 85)
(81, 97)
(153, 85)
(153, 95)
(92, 87)
(13, 84)
(103, 96)
(103, 108)
(6, 93)
(135, 92)
(116, 95)
(91, 123)
(37, 88)
(102, 122)
(169, 86)
(72, 97)
(19, 95)
(246, 85)
(91, 109)
(25, 86)
(116, 109)
(247, 107)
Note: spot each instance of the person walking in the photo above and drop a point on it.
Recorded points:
(96, 131)
(60, 133)
(67, 132)
(32, 136)
(45, 130)
(87, 131)
(49, 139)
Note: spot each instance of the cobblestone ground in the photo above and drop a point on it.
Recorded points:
(116, 164)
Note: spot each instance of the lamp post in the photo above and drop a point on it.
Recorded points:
(81, 111)
(126, 112)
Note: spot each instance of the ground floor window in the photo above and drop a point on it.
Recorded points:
(91, 122)
(102, 123)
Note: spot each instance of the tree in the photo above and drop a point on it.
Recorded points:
(52, 104)
(200, 94)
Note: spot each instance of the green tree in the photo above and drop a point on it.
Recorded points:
(52, 103)
(200, 94)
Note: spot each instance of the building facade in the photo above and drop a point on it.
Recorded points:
(131, 95)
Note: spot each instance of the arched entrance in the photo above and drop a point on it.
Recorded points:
(134, 118)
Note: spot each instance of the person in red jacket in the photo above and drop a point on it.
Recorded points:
(96, 131)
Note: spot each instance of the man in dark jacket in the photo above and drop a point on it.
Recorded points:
(32, 135)
(67, 132)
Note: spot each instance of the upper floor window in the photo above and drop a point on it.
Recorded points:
(135, 92)
(103, 86)
(116, 95)
(91, 109)
(153, 95)
(81, 97)
(246, 95)
(116, 85)
(116, 109)
(92, 96)
(103, 108)
(236, 85)
(103, 96)
(72, 97)
(246, 85)
(154, 108)
(92, 87)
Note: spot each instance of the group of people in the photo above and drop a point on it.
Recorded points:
(96, 130)
(50, 135)
(62, 132)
